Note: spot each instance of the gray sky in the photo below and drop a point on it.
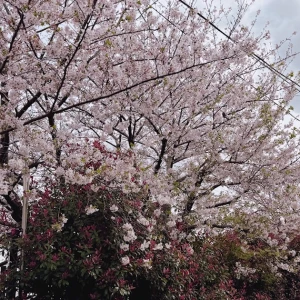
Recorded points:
(284, 19)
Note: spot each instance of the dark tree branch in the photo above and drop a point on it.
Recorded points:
(28, 105)
(54, 137)
(4, 140)
(162, 152)
(15, 207)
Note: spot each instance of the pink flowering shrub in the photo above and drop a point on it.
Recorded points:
(75, 249)
(81, 246)
(94, 241)
(249, 267)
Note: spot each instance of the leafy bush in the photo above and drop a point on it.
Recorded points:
(94, 241)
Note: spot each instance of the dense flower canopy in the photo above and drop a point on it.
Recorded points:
(147, 99)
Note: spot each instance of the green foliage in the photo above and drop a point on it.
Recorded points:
(70, 253)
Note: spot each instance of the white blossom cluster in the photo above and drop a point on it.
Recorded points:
(59, 225)
(114, 208)
(91, 209)
(145, 245)
(129, 233)
(125, 260)
(241, 271)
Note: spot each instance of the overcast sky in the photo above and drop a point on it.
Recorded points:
(284, 19)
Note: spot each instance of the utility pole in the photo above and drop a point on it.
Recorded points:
(26, 179)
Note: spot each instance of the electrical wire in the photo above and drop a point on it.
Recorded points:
(255, 56)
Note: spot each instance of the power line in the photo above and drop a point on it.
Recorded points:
(255, 56)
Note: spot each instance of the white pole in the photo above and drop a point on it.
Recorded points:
(26, 179)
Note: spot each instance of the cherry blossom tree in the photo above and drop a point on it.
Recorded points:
(199, 115)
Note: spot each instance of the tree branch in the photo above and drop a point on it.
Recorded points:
(162, 152)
